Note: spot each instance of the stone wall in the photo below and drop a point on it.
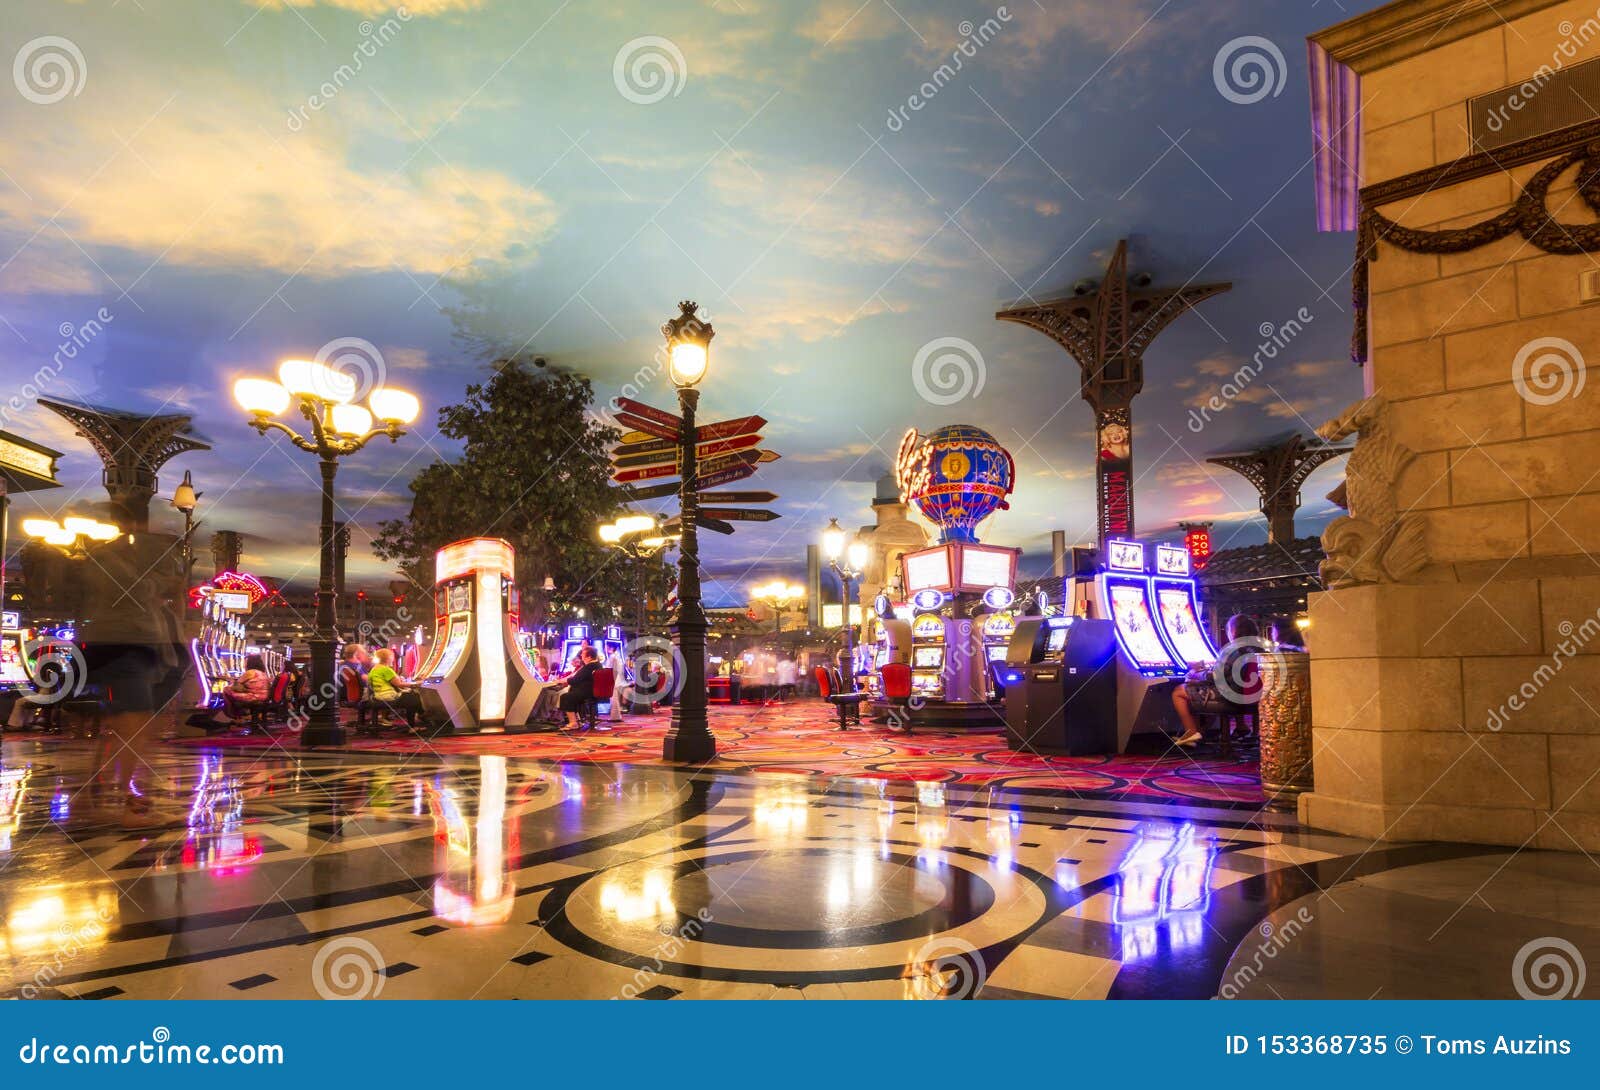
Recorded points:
(1465, 703)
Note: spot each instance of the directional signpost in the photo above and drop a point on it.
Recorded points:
(725, 452)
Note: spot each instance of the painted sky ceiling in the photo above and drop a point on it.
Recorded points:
(229, 182)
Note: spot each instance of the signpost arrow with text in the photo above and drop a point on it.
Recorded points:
(737, 497)
(739, 514)
(667, 451)
(649, 427)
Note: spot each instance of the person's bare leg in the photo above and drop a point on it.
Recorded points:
(1180, 704)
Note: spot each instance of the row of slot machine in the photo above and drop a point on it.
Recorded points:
(218, 651)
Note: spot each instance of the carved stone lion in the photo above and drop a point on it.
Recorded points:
(1376, 542)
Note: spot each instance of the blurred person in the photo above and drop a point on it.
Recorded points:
(1287, 635)
(251, 688)
(580, 687)
(1199, 694)
(620, 688)
(788, 677)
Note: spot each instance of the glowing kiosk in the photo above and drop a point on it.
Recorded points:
(476, 676)
(957, 476)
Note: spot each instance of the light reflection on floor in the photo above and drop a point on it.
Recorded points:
(489, 877)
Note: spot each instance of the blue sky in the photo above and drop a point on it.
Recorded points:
(513, 164)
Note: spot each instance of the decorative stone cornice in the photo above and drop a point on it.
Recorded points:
(1407, 28)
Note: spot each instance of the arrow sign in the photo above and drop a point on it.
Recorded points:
(647, 473)
(655, 491)
(650, 427)
(739, 514)
(726, 461)
(769, 456)
(725, 429)
(634, 438)
(673, 525)
(649, 453)
(737, 497)
(649, 412)
(725, 476)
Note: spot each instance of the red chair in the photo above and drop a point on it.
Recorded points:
(353, 694)
(895, 679)
(275, 707)
(831, 686)
(605, 687)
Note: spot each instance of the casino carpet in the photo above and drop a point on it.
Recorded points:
(798, 737)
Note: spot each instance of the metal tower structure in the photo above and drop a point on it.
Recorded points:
(1277, 469)
(1107, 329)
(132, 446)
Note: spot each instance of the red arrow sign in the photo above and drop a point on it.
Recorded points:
(739, 514)
(660, 431)
(725, 476)
(646, 473)
(724, 429)
(649, 412)
(727, 461)
(653, 492)
(647, 453)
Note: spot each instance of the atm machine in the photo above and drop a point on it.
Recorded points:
(1060, 678)
(476, 676)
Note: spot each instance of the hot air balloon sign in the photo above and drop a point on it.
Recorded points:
(956, 476)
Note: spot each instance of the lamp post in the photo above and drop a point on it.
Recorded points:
(185, 499)
(637, 537)
(848, 562)
(688, 356)
(337, 428)
(73, 535)
(778, 594)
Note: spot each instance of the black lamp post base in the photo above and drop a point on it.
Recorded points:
(688, 747)
(313, 735)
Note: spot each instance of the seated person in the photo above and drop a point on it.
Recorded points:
(1286, 635)
(619, 694)
(1237, 669)
(391, 690)
(250, 688)
(580, 687)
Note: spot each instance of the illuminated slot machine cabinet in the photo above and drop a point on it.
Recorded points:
(1177, 610)
(948, 586)
(573, 639)
(612, 642)
(13, 646)
(475, 669)
(996, 628)
(1148, 668)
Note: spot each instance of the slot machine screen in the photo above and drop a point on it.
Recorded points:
(1130, 608)
(1058, 640)
(997, 652)
(12, 670)
(928, 658)
(1177, 616)
(927, 570)
(453, 646)
(460, 597)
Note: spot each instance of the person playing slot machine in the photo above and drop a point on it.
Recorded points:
(1198, 695)
(392, 690)
(580, 687)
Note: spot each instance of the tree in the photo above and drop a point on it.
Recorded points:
(534, 469)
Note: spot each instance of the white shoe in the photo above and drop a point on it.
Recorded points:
(1189, 739)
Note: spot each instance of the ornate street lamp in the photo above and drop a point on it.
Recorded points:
(185, 499)
(337, 429)
(637, 537)
(688, 358)
(73, 535)
(848, 562)
(778, 594)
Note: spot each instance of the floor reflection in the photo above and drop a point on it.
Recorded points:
(1163, 886)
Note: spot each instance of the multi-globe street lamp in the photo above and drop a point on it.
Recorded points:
(849, 562)
(778, 594)
(688, 358)
(637, 537)
(74, 535)
(337, 428)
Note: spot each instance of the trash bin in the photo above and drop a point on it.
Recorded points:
(1285, 722)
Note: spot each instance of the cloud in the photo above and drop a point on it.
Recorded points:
(41, 267)
(375, 7)
(202, 185)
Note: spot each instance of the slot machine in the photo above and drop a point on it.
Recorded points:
(575, 637)
(612, 642)
(1178, 614)
(13, 647)
(995, 629)
(475, 670)
(1060, 678)
(927, 649)
(1148, 667)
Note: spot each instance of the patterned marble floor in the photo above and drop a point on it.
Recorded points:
(411, 876)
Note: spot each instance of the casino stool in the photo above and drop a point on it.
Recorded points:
(831, 685)
(353, 694)
(276, 707)
(894, 678)
(605, 687)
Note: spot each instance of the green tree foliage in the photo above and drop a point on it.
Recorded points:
(534, 470)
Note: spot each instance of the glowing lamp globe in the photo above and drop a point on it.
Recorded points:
(957, 476)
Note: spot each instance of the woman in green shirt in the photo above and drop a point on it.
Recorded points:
(393, 690)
